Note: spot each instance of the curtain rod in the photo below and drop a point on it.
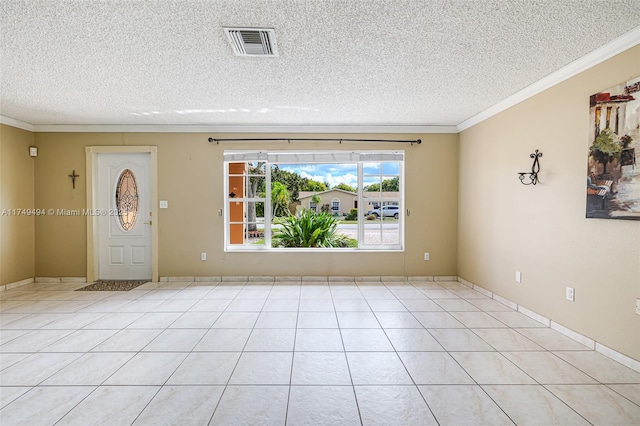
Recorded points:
(217, 141)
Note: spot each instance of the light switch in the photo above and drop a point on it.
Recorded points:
(164, 204)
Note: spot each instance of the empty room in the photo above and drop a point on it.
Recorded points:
(331, 212)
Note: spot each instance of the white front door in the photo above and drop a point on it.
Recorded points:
(123, 206)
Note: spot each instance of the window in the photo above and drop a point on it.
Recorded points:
(335, 206)
(245, 204)
(266, 193)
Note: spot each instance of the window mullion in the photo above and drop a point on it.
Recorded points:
(267, 206)
(401, 203)
(225, 205)
(360, 230)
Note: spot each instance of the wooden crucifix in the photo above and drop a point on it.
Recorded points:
(73, 177)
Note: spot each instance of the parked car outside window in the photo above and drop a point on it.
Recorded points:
(387, 211)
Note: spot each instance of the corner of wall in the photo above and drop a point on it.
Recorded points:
(17, 226)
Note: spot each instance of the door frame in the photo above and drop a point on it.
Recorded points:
(93, 237)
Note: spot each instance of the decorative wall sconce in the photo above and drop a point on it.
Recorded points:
(531, 176)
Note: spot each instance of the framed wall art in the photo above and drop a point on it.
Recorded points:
(613, 173)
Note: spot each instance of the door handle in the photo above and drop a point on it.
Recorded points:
(149, 223)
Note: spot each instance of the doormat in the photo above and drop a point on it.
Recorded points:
(113, 285)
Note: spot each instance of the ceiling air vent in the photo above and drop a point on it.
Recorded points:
(252, 41)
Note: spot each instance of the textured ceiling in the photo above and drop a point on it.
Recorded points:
(341, 62)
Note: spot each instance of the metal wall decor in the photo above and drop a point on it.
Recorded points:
(73, 177)
(531, 178)
(127, 199)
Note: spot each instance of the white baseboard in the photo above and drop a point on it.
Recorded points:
(74, 280)
(262, 279)
(234, 279)
(48, 280)
(465, 282)
(290, 279)
(208, 279)
(370, 279)
(445, 278)
(590, 343)
(43, 280)
(617, 356)
(16, 284)
(587, 341)
(306, 278)
(483, 291)
(421, 278)
(182, 279)
(509, 303)
(338, 278)
(393, 278)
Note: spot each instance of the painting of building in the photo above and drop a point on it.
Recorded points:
(613, 180)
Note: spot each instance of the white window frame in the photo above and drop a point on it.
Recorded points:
(335, 201)
(311, 157)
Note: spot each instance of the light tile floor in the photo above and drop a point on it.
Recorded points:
(295, 353)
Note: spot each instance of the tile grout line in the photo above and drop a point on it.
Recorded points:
(546, 387)
(346, 358)
(293, 357)
(537, 383)
(613, 390)
(213, 413)
(129, 360)
(627, 361)
(415, 385)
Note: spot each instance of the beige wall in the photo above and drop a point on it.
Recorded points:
(190, 177)
(17, 241)
(541, 230)
(61, 248)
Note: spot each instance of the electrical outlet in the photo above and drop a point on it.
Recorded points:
(203, 256)
(570, 294)
(637, 306)
(426, 256)
(518, 276)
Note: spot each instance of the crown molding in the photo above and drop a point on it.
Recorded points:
(16, 123)
(258, 128)
(609, 50)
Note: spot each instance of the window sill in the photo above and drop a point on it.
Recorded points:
(311, 250)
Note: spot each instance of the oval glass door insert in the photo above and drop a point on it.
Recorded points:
(127, 199)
